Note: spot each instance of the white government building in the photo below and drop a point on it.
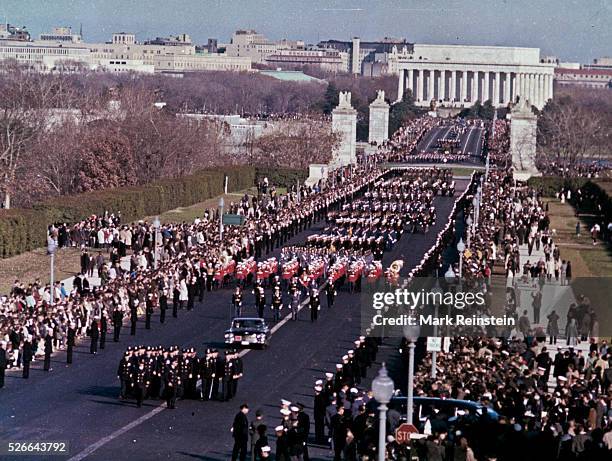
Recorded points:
(458, 75)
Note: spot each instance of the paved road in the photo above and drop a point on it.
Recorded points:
(471, 140)
(80, 405)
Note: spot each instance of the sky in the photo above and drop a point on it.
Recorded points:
(573, 30)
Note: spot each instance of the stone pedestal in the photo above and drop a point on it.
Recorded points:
(379, 119)
(523, 137)
(344, 122)
(317, 171)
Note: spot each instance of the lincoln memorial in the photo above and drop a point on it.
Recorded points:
(457, 75)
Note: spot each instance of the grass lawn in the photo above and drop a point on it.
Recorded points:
(588, 260)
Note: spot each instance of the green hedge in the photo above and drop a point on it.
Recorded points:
(548, 186)
(285, 177)
(25, 229)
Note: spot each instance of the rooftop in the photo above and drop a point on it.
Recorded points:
(290, 76)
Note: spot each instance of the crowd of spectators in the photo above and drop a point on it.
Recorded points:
(189, 259)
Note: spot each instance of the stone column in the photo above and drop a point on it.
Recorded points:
(550, 86)
(430, 85)
(496, 90)
(516, 87)
(531, 90)
(440, 86)
(485, 87)
(419, 83)
(463, 95)
(523, 91)
(474, 87)
(452, 94)
(542, 94)
(401, 84)
(508, 77)
(411, 81)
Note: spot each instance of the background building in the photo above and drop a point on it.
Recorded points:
(587, 78)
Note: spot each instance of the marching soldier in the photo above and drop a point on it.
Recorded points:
(228, 376)
(148, 310)
(172, 383)
(123, 373)
(295, 304)
(163, 304)
(330, 291)
(237, 302)
(260, 300)
(237, 373)
(207, 373)
(140, 380)
(219, 380)
(277, 303)
(117, 323)
(315, 305)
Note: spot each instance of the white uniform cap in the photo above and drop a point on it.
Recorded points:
(285, 412)
(279, 429)
(285, 402)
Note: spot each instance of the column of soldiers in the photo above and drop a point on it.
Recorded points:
(172, 373)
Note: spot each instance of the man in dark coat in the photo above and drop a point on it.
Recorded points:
(27, 356)
(48, 350)
(103, 329)
(70, 340)
(3, 363)
(94, 334)
(240, 432)
(117, 323)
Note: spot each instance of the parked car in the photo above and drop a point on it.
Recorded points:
(444, 412)
(248, 331)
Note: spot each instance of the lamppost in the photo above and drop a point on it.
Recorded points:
(51, 247)
(476, 205)
(469, 221)
(156, 226)
(437, 293)
(411, 333)
(221, 206)
(460, 249)
(382, 388)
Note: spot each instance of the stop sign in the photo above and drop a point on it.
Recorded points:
(402, 433)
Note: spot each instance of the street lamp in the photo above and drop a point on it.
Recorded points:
(437, 293)
(469, 221)
(221, 206)
(51, 248)
(411, 333)
(156, 226)
(382, 388)
(460, 249)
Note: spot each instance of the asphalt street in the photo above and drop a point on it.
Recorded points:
(471, 140)
(80, 404)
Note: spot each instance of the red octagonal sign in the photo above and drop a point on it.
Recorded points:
(402, 433)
